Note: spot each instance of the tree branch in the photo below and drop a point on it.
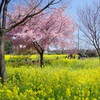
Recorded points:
(28, 16)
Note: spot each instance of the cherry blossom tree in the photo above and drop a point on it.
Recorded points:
(49, 30)
(31, 7)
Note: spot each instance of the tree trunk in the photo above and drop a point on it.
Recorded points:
(2, 60)
(3, 15)
(99, 58)
(98, 52)
(41, 59)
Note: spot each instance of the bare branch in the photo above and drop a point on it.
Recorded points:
(89, 18)
(1, 5)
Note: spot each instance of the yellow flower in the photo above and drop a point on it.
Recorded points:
(9, 94)
(88, 93)
(83, 93)
(50, 90)
(51, 98)
(86, 98)
(75, 97)
(79, 98)
(94, 99)
(68, 92)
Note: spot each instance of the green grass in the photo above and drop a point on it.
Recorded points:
(60, 79)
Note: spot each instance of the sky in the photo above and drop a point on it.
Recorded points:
(72, 11)
(76, 4)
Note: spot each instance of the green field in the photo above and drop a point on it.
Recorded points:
(59, 79)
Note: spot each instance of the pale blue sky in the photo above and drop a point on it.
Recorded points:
(72, 11)
(74, 5)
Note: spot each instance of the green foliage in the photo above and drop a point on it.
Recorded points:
(8, 47)
(60, 79)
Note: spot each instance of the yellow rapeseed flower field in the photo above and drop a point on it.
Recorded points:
(60, 79)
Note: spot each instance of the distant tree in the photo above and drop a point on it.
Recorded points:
(8, 47)
(32, 8)
(89, 24)
(50, 30)
(90, 53)
(23, 49)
